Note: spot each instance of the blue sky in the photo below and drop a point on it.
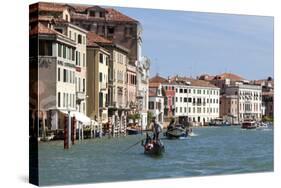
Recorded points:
(194, 43)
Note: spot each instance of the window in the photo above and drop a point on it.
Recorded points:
(59, 50)
(151, 105)
(181, 90)
(101, 58)
(76, 55)
(101, 14)
(189, 99)
(189, 90)
(63, 99)
(84, 61)
(92, 13)
(84, 82)
(45, 48)
(58, 99)
(79, 59)
(185, 99)
(64, 51)
(83, 39)
(69, 33)
(79, 39)
(100, 77)
(64, 75)
(79, 84)
(58, 74)
(110, 30)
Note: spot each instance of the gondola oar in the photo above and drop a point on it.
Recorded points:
(134, 145)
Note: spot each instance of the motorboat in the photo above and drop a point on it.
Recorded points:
(249, 124)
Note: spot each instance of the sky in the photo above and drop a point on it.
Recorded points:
(193, 43)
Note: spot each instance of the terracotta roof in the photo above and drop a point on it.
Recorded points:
(42, 29)
(154, 85)
(111, 14)
(50, 7)
(93, 38)
(157, 79)
(114, 15)
(193, 82)
(230, 76)
(206, 77)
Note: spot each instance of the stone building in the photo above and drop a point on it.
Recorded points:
(97, 85)
(197, 100)
(249, 100)
(156, 102)
(109, 23)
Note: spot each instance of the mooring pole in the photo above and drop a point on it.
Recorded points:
(69, 129)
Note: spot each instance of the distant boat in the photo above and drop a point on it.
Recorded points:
(248, 124)
(219, 122)
(176, 132)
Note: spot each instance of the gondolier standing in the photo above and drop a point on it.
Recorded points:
(156, 130)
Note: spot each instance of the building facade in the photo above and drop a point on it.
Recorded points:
(131, 88)
(249, 100)
(97, 85)
(197, 100)
(229, 108)
(156, 102)
(142, 90)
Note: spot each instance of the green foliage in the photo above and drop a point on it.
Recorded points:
(268, 118)
(134, 117)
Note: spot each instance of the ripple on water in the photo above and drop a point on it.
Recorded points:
(214, 151)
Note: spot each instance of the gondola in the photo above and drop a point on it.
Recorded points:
(153, 147)
(176, 132)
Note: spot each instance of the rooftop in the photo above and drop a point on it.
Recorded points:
(93, 38)
(193, 82)
(42, 29)
(230, 76)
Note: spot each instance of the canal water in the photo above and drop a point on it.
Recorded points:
(211, 151)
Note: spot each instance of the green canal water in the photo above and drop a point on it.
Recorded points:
(211, 151)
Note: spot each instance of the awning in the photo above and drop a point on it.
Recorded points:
(79, 117)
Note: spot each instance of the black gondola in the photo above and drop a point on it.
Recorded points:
(153, 147)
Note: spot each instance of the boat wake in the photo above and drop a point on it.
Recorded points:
(193, 134)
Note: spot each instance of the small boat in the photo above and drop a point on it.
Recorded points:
(249, 124)
(155, 148)
(219, 122)
(176, 132)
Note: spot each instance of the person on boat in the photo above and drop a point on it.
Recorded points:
(148, 139)
(171, 125)
(156, 130)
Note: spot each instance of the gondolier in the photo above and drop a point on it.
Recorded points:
(156, 130)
